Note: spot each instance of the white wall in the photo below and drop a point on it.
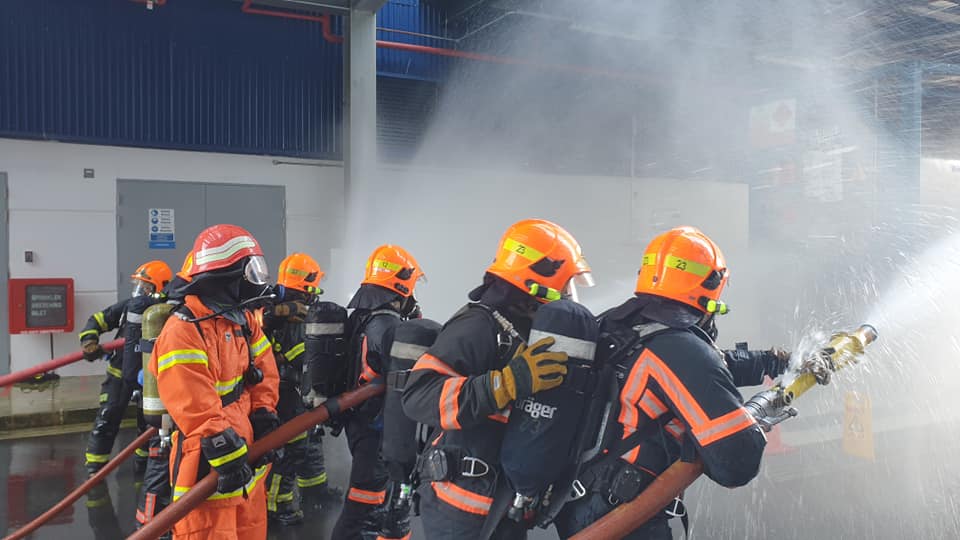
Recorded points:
(69, 222)
(451, 221)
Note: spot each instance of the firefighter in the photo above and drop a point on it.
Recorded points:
(154, 494)
(217, 377)
(298, 280)
(464, 384)
(149, 281)
(677, 397)
(384, 299)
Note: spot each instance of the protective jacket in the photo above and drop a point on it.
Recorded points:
(370, 339)
(110, 318)
(448, 391)
(200, 370)
(678, 379)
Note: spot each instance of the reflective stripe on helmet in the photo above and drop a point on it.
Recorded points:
(227, 250)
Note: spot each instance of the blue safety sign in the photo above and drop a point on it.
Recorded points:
(161, 228)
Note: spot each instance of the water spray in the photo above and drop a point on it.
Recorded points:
(773, 405)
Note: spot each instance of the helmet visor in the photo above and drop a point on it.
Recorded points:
(142, 288)
(571, 289)
(256, 270)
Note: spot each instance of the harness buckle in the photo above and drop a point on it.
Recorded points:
(579, 490)
(677, 509)
(475, 465)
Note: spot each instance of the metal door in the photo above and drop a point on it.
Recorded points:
(135, 200)
(4, 275)
(259, 209)
(195, 206)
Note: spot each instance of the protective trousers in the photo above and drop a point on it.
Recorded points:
(244, 521)
(302, 462)
(115, 395)
(154, 495)
(444, 522)
(578, 514)
(368, 478)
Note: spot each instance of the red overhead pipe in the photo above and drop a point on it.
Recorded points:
(74, 495)
(164, 521)
(330, 37)
(51, 365)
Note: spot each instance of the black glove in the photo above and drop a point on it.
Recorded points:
(776, 361)
(92, 351)
(227, 454)
(264, 422)
(292, 311)
(336, 426)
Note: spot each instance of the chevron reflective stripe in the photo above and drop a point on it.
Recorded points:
(575, 348)
(101, 322)
(181, 356)
(223, 460)
(293, 353)
(225, 387)
(299, 437)
(135, 318)
(462, 499)
(224, 252)
(312, 481)
(97, 458)
(104, 397)
(260, 346)
(324, 329)
(114, 372)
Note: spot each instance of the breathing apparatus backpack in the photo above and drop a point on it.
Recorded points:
(546, 432)
(400, 442)
(325, 346)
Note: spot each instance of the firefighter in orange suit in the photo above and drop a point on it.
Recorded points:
(217, 377)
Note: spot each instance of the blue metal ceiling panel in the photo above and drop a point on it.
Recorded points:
(398, 21)
(195, 74)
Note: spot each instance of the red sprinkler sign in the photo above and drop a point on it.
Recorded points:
(41, 306)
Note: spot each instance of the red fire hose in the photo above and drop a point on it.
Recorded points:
(51, 365)
(629, 516)
(84, 487)
(164, 521)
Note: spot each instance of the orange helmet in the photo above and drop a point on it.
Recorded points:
(541, 258)
(683, 264)
(151, 277)
(300, 272)
(222, 246)
(391, 267)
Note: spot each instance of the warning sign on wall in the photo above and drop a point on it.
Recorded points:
(161, 228)
(858, 426)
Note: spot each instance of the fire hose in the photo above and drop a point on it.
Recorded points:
(51, 365)
(165, 520)
(769, 407)
(74, 495)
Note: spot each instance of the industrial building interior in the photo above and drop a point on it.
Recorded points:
(817, 142)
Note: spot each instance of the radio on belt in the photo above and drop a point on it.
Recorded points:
(40, 306)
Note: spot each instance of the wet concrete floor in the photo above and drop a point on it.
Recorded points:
(911, 489)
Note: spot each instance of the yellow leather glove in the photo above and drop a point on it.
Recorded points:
(293, 311)
(531, 370)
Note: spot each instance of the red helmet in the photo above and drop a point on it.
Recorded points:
(222, 246)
